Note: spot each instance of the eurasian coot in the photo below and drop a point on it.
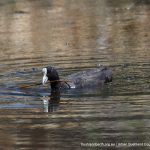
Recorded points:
(83, 79)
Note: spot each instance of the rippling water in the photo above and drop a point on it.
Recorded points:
(73, 36)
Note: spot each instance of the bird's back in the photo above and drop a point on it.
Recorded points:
(90, 78)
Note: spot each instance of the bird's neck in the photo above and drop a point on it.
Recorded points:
(55, 85)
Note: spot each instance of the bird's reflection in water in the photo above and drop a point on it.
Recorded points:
(51, 103)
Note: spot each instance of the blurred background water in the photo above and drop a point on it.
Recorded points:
(74, 35)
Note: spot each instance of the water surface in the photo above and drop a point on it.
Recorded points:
(74, 35)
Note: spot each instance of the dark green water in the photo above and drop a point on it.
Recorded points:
(74, 35)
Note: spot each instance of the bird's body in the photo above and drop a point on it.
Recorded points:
(89, 78)
(83, 79)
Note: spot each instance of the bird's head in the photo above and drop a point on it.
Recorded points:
(49, 73)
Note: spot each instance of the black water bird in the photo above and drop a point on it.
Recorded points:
(84, 79)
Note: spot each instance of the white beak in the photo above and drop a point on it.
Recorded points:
(45, 78)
